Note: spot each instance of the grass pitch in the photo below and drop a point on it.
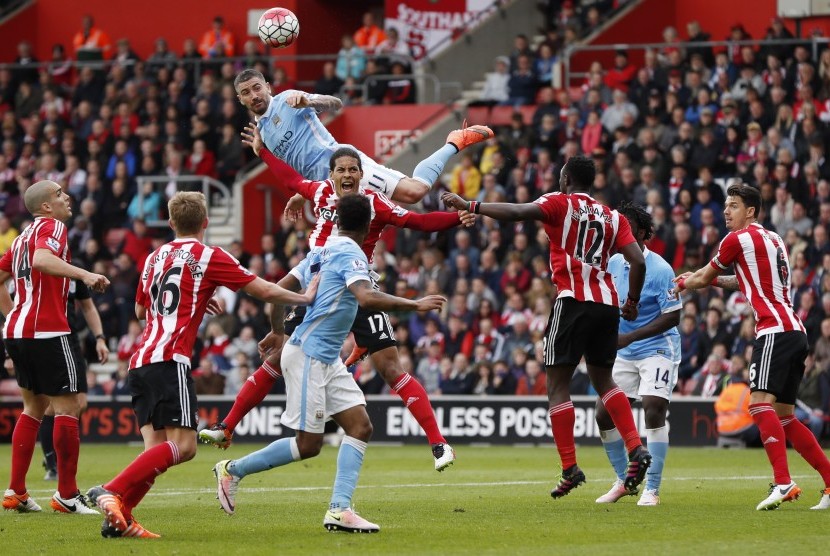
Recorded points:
(492, 501)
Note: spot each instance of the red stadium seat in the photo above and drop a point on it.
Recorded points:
(478, 115)
(501, 115)
(527, 113)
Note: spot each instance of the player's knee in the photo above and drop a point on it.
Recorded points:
(388, 365)
(410, 191)
(655, 417)
(362, 430)
(310, 447)
(187, 451)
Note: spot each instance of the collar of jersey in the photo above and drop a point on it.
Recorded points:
(341, 239)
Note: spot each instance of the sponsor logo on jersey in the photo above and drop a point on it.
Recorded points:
(53, 244)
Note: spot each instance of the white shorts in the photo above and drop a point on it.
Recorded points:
(652, 376)
(378, 177)
(315, 390)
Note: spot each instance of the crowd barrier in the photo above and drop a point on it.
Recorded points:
(463, 420)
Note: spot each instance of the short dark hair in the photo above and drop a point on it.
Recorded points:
(353, 212)
(246, 75)
(345, 151)
(582, 171)
(638, 215)
(750, 196)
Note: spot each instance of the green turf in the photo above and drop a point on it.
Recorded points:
(492, 501)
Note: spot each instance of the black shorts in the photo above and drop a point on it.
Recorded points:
(164, 395)
(581, 328)
(80, 362)
(293, 319)
(778, 364)
(47, 365)
(372, 329)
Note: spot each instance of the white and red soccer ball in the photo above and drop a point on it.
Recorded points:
(278, 27)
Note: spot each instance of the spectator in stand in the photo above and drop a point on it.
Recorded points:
(533, 382)
(460, 378)
(137, 243)
(329, 83)
(162, 56)
(393, 49)
(696, 34)
(614, 115)
(496, 85)
(369, 36)
(91, 42)
(351, 59)
(545, 65)
(623, 72)
(129, 341)
(813, 401)
(207, 381)
(466, 178)
(8, 233)
(218, 42)
(201, 161)
(522, 84)
(401, 89)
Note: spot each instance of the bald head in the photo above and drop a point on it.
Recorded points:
(37, 194)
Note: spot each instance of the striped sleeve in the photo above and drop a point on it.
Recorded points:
(728, 251)
(52, 236)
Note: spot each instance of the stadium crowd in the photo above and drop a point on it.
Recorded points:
(667, 134)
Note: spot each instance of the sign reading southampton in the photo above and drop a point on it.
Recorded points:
(463, 419)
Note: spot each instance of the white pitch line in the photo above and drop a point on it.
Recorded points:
(179, 492)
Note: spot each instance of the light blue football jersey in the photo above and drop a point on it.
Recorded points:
(329, 319)
(656, 299)
(298, 137)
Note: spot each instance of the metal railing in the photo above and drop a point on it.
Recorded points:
(209, 187)
(811, 42)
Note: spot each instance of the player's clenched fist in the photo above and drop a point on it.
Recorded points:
(430, 303)
(96, 282)
(453, 201)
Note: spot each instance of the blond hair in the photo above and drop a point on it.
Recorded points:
(188, 212)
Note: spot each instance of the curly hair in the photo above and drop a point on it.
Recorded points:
(638, 215)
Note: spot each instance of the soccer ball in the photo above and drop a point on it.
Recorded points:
(278, 27)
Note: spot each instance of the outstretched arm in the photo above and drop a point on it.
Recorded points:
(433, 221)
(273, 293)
(701, 278)
(370, 298)
(500, 211)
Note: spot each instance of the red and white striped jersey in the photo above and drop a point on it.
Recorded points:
(762, 266)
(178, 280)
(40, 299)
(324, 197)
(583, 234)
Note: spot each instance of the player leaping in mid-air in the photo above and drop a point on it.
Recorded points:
(293, 132)
(371, 328)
